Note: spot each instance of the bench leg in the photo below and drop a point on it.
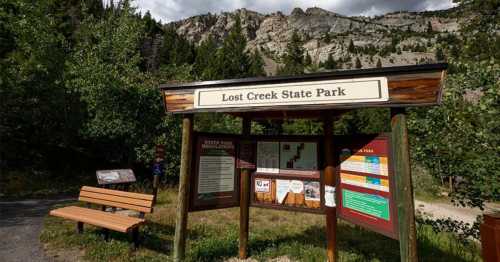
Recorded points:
(135, 237)
(106, 234)
(79, 227)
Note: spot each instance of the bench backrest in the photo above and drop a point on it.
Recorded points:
(115, 198)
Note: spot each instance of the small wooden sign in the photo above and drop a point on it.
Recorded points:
(115, 176)
(365, 183)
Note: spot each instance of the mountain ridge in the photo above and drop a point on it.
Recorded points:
(396, 38)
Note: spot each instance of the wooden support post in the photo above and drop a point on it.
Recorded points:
(183, 197)
(404, 190)
(79, 227)
(244, 196)
(156, 182)
(329, 179)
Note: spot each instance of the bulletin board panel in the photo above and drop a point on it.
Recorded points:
(288, 173)
(215, 178)
(365, 183)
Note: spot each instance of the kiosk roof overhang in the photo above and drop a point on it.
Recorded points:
(401, 86)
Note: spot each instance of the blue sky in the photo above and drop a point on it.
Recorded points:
(173, 10)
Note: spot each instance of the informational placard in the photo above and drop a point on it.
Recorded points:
(268, 153)
(115, 176)
(215, 175)
(365, 182)
(289, 194)
(292, 165)
(298, 156)
(288, 157)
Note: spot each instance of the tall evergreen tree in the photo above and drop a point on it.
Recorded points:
(233, 60)
(256, 64)
(357, 63)
(330, 63)
(205, 62)
(294, 57)
(351, 48)
(379, 63)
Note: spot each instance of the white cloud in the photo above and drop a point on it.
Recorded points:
(173, 10)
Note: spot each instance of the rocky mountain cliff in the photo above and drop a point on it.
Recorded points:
(399, 38)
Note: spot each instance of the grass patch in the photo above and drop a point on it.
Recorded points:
(213, 236)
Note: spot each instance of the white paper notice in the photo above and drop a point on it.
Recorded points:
(297, 186)
(216, 174)
(268, 157)
(329, 196)
(262, 185)
(282, 188)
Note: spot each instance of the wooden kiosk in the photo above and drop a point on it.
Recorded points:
(364, 180)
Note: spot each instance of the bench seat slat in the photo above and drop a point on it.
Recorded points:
(120, 199)
(115, 204)
(118, 193)
(98, 218)
(117, 217)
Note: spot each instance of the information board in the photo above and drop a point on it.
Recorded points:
(287, 174)
(215, 175)
(365, 183)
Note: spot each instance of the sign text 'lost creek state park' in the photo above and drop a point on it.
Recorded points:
(303, 93)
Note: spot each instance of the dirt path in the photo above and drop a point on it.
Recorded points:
(20, 226)
(445, 209)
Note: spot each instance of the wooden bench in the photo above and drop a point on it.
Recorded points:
(108, 220)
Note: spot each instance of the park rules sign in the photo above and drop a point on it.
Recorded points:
(359, 90)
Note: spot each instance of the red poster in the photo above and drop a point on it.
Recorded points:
(365, 183)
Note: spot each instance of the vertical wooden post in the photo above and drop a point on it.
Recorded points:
(244, 196)
(156, 181)
(404, 190)
(183, 197)
(329, 179)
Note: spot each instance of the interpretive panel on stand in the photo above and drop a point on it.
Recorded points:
(215, 182)
(287, 174)
(365, 183)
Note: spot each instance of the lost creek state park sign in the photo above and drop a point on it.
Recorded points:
(372, 89)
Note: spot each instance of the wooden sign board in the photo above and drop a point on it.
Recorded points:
(356, 90)
(115, 176)
(215, 180)
(417, 85)
(365, 183)
(288, 174)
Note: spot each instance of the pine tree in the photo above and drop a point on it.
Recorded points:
(308, 60)
(440, 54)
(379, 63)
(233, 60)
(330, 63)
(358, 63)
(256, 64)
(205, 61)
(351, 48)
(327, 38)
(429, 28)
(294, 57)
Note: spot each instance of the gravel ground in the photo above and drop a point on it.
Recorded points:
(445, 209)
(20, 226)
